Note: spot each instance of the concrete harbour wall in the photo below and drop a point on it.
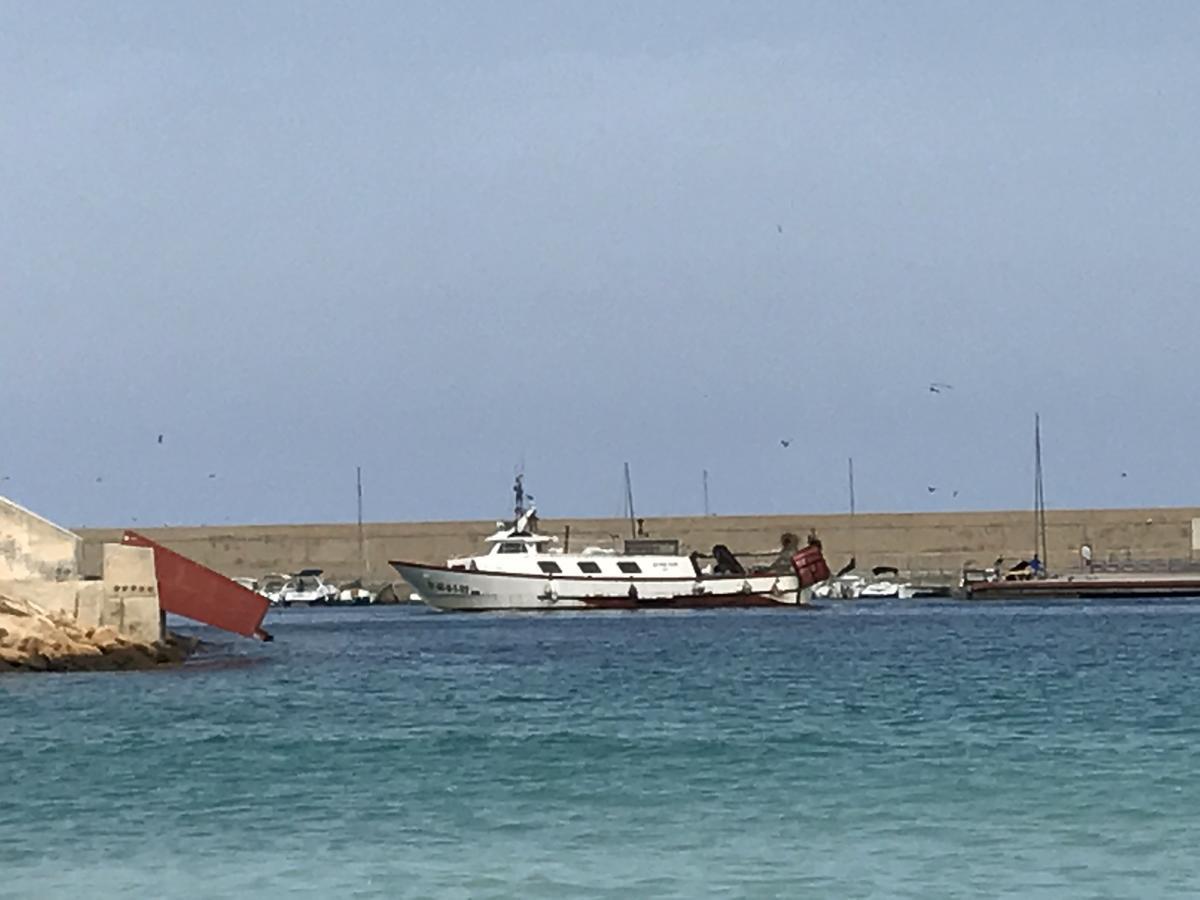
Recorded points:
(33, 547)
(40, 564)
(929, 542)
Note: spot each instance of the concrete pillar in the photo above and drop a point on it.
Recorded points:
(131, 592)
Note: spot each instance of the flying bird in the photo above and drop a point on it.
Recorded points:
(931, 489)
(955, 494)
(787, 443)
(1124, 474)
(936, 387)
(160, 437)
(212, 474)
(779, 228)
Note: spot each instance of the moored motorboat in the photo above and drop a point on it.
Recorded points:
(526, 570)
(307, 588)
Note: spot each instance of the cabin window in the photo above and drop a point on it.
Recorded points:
(589, 568)
(550, 568)
(631, 568)
(512, 547)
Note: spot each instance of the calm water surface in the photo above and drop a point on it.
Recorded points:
(865, 751)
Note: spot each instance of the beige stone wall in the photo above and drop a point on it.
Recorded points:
(911, 541)
(32, 547)
(40, 563)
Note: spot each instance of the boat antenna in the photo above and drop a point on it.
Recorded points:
(1039, 495)
(629, 503)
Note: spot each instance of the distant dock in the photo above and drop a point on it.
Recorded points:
(1087, 587)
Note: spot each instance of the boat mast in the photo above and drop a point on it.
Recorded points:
(705, 478)
(362, 544)
(1039, 494)
(629, 503)
(853, 532)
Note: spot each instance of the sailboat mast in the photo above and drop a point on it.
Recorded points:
(1039, 494)
(629, 502)
(362, 544)
(704, 475)
(853, 531)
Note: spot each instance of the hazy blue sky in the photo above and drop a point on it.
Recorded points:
(441, 239)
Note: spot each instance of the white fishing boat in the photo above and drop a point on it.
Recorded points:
(527, 570)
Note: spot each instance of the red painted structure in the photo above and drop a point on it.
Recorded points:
(188, 589)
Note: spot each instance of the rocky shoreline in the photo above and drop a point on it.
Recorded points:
(33, 641)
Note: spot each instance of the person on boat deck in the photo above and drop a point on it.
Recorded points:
(1035, 565)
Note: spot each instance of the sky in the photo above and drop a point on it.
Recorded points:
(448, 241)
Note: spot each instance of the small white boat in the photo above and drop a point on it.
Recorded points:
(879, 590)
(842, 587)
(306, 588)
(271, 584)
(355, 594)
(526, 570)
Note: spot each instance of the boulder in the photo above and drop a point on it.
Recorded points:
(32, 640)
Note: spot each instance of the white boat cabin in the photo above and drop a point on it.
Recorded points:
(519, 549)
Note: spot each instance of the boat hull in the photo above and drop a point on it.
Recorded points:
(460, 590)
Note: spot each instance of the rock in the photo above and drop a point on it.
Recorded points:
(11, 656)
(106, 638)
(32, 640)
(29, 645)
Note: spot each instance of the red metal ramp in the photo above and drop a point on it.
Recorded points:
(188, 589)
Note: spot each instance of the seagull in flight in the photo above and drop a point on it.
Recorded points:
(931, 489)
(160, 438)
(786, 443)
(936, 387)
(779, 228)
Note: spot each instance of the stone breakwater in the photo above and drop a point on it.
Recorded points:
(32, 640)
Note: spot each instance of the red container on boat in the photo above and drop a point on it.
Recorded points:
(809, 563)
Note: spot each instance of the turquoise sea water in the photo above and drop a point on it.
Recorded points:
(889, 751)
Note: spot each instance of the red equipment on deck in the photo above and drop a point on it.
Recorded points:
(809, 563)
(188, 589)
